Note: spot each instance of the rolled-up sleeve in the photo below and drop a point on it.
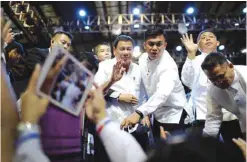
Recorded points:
(214, 117)
(163, 90)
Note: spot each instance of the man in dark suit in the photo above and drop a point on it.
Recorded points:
(38, 56)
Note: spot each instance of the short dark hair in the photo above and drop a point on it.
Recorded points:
(212, 60)
(122, 38)
(96, 48)
(63, 32)
(92, 63)
(154, 31)
(204, 31)
(14, 45)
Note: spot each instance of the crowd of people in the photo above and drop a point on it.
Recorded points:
(134, 112)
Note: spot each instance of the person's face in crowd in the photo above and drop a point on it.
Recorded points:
(155, 46)
(61, 39)
(14, 55)
(208, 42)
(123, 52)
(221, 76)
(104, 53)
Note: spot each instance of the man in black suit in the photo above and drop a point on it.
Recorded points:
(38, 55)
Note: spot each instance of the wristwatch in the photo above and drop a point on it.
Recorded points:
(27, 126)
(140, 113)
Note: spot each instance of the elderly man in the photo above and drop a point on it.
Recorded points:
(194, 77)
(127, 93)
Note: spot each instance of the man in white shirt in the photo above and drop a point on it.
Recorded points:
(128, 91)
(228, 90)
(194, 77)
(164, 88)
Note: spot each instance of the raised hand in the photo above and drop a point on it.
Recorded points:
(118, 71)
(9, 36)
(190, 46)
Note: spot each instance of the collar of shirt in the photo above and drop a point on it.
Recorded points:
(205, 54)
(234, 86)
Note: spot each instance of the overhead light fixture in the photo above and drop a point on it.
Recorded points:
(236, 24)
(87, 27)
(221, 47)
(136, 26)
(187, 24)
(136, 11)
(190, 10)
(82, 13)
(244, 51)
(137, 51)
(179, 48)
(245, 10)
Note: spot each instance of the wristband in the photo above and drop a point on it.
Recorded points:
(26, 138)
(99, 129)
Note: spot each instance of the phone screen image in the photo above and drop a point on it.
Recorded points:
(70, 84)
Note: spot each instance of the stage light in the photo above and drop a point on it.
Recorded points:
(136, 26)
(187, 24)
(236, 24)
(221, 47)
(244, 51)
(245, 10)
(136, 11)
(179, 48)
(190, 10)
(137, 51)
(87, 27)
(82, 13)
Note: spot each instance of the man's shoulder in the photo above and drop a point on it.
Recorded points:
(241, 67)
(107, 64)
(214, 91)
(142, 58)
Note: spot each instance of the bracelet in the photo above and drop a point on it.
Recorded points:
(102, 126)
(27, 137)
(140, 113)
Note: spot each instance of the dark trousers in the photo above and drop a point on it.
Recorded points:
(171, 128)
(142, 139)
(228, 130)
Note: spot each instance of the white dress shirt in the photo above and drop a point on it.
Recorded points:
(129, 83)
(194, 77)
(166, 96)
(232, 99)
(121, 146)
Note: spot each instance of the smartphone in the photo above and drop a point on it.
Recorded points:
(69, 86)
